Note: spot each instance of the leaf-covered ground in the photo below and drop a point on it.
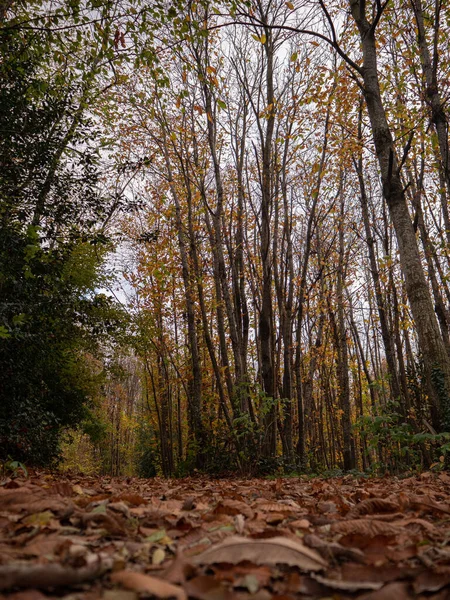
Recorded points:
(86, 538)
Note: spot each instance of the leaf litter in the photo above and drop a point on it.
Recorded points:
(89, 538)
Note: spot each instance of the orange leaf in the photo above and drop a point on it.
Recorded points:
(139, 582)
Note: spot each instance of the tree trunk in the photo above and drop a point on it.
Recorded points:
(436, 361)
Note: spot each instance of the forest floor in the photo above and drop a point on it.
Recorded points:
(89, 538)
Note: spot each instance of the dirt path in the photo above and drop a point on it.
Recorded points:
(84, 538)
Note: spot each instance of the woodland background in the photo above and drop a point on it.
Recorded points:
(225, 236)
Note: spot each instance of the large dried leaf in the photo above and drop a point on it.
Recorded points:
(391, 591)
(49, 575)
(369, 528)
(138, 582)
(432, 580)
(425, 503)
(333, 549)
(277, 550)
(232, 508)
(205, 587)
(372, 506)
(276, 507)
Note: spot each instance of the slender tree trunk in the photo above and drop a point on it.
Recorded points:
(385, 330)
(197, 431)
(436, 103)
(266, 336)
(436, 360)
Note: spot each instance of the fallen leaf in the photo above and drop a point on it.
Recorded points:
(139, 582)
(333, 549)
(348, 586)
(391, 591)
(133, 499)
(369, 528)
(27, 595)
(157, 536)
(62, 488)
(251, 583)
(232, 508)
(179, 570)
(300, 524)
(120, 595)
(49, 575)
(159, 556)
(41, 519)
(432, 581)
(205, 587)
(372, 506)
(277, 550)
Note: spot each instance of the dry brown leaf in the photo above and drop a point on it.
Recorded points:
(138, 582)
(62, 488)
(234, 573)
(276, 507)
(44, 545)
(425, 503)
(444, 477)
(372, 506)
(106, 521)
(232, 508)
(179, 570)
(432, 581)
(391, 591)
(27, 595)
(300, 524)
(120, 595)
(277, 550)
(205, 587)
(50, 575)
(348, 586)
(384, 573)
(275, 518)
(369, 528)
(333, 549)
(133, 499)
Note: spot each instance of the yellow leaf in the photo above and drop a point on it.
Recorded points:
(159, 556)
(41, 519)
(290, 5)
(263, 39)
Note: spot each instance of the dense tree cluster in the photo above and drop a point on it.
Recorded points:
(285, 166)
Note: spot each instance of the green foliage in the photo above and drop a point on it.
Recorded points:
(13, 468)
(79, 453)
(403, 447)
(51, 249)
(147, 451)
(438, 380)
